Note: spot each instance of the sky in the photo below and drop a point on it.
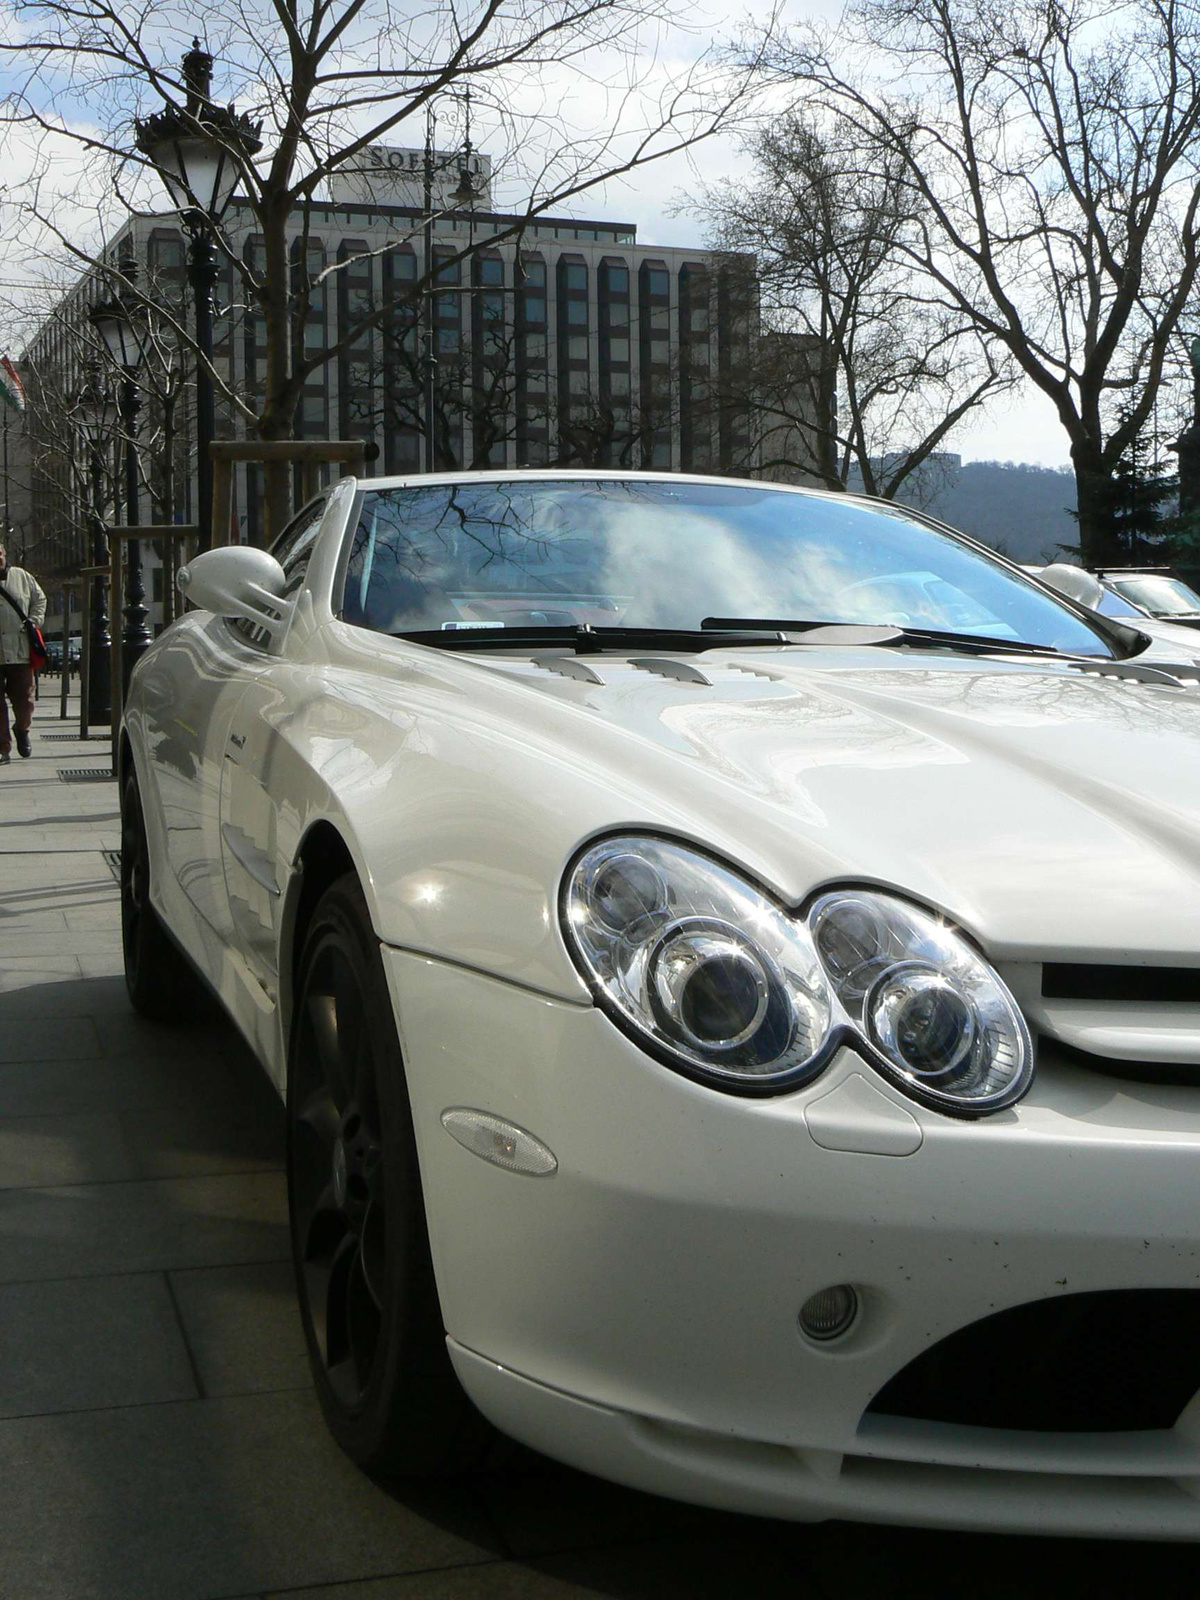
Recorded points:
(1019, 427)
(1022, 426)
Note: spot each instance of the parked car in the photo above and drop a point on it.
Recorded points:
(1158, 590)
(737, 1002)
(1172, 640)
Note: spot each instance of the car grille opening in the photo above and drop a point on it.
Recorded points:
(1184, 1073)
(1113, 1361)
(1070, 980)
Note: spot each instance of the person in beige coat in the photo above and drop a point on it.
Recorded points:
(14, 653)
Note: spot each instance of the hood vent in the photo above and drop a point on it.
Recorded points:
(1173, 675)
(569, 667)
(665, 667)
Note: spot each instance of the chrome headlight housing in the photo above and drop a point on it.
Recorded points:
(940, 1023)
(720, 981)
(698, 964)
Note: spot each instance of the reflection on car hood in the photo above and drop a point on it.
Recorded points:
(1039, 805)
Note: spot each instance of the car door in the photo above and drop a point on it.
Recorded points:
(256, 783)
(188, 687)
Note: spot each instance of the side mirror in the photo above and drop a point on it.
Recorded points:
(1073, 582)
(239, 582)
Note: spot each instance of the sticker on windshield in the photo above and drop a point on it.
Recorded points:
(454, 627)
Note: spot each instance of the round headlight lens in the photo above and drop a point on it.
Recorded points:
(698, 962)
(943, 1026)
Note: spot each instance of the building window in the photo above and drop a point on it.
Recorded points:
(654, 351)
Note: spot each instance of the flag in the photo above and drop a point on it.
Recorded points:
(12, 390)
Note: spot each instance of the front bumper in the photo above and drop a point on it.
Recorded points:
(636, 1313)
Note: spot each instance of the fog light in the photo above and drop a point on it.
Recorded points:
(829, 1313)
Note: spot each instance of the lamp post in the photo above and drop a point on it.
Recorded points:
(119, 324)
(463, 197)
(97, 415)
(198, 150)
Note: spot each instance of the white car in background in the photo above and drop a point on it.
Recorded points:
(1171, 639)
(731, 955)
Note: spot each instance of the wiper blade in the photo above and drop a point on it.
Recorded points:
(894, 633)
(586, 640)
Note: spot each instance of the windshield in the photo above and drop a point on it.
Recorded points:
(1111, 604)
(1162, 597)
(660, 554)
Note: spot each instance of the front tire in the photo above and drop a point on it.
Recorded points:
(364, 1274)
(161, 985)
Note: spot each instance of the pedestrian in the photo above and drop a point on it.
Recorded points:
(21, 597)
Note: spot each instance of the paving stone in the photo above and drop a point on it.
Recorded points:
(120, 1030)
(245, 1135)
(707, 1568)
(103, 965)
(40, 1151)
(117, 1083)
(88, 996)
(36, 918)
(142, 1227)
(31, 972)
(90, 1342)
(541, 1507)
(101, 918)
(229, 1497)
(32, 1039)
(493, 1581)
(66, 942)
(243, 1328)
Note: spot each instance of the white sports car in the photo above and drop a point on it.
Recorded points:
(732, 957)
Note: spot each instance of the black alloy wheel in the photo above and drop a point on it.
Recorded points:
(161, 985)
(364, 1274)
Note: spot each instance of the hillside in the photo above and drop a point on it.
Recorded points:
(1023, 510)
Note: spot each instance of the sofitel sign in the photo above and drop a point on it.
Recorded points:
(385, 176)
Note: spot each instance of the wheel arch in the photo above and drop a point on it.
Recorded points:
(322, 858)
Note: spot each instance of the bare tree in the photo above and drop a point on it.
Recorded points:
(863, 359)
(327, 79)
(1050, 152)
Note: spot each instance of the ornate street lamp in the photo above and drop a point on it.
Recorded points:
(199, 152)
(463, 198)
(121, 325)
(97, 416)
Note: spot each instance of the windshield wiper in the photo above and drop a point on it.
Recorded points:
(586, 640)
(896, 633)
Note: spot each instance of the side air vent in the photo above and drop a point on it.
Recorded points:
(1067, 980)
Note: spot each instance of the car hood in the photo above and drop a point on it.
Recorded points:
(1045, 808)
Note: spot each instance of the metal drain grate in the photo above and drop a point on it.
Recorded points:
(78, 738)
(86, 774)
(112, 859)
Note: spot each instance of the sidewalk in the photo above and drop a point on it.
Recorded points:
(158, 1434)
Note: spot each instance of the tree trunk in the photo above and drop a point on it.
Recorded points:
(1098, 544)
(277, 418)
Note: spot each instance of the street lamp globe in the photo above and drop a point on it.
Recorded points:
(96, 410)
(121, 328)
(197, 148)
(199, 173)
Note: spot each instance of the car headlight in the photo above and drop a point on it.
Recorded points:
(941, 1024)
(721, 982)
(698, 964)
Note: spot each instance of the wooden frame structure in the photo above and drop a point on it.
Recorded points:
(311, 454)
(118, 538)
